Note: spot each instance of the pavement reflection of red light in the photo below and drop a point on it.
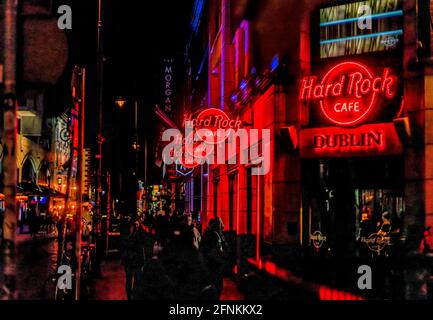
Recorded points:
(326, 293)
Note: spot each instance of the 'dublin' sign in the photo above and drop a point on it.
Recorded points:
(367, 140)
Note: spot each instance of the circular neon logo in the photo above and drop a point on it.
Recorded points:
(217, 122)
(349, 92)
(317, 238)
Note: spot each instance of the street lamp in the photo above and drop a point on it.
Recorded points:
(120, 102)
(100, 138)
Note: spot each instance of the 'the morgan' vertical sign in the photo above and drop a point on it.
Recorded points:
(168, 86)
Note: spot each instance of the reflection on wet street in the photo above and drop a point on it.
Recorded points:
(36, 262)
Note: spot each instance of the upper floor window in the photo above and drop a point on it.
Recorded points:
(242, 47)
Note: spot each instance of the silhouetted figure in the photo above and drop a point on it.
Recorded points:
(213, 247)
(185, 265)
(133, 257)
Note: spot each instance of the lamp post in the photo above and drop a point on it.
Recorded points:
(121, 102)
(100, 138)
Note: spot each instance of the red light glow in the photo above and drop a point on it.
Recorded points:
(348, 92)
(213, 119)
(366, 140)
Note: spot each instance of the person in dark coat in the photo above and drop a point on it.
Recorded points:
(33, 221)
(213, 246)
(185, 265)
(156, 284)
(133, 256)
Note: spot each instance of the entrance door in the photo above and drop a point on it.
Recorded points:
(338, 195)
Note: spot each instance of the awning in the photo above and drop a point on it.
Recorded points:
(29, 189)
(52, 193)
(18, 197)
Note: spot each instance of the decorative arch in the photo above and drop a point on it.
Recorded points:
(43, 174)
(28, 170)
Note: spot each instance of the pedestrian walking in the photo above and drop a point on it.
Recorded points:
(133, 257)
(214, 247)
(426, 246)
(196, 236)
(33, 221)
(185, 265)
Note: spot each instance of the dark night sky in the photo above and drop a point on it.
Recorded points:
(137, 36)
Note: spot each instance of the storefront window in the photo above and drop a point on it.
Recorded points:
(349, 202)
(377, 206)
(232, 194)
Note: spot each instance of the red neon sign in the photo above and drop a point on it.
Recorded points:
(348, 92)
(366, 140)
(210, 127)
(213, 120)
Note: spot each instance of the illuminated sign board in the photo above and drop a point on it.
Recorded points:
(360, 27)
(168, 86)
(206, 128)
(366, 140)
(213, 120)
(349, 92)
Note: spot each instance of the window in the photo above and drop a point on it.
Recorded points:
(249, 202)
(372, 204)
(241, 43)
(215, 198)
(232, 194)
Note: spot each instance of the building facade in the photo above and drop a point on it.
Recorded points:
(43, 133)
(343, 87)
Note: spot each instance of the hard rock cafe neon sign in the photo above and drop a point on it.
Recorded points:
(349, 92)
(213, 126)
(214, 119)
(209, 127)
(212, 137)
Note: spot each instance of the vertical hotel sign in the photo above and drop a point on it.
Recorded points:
(349, 96)
(167, 106)
(168, 86)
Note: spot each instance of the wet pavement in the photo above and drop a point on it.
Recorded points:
(111, 286)
(36, 262)
(36, 265)
(231, 291)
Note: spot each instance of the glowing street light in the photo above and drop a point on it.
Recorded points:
(120, 102)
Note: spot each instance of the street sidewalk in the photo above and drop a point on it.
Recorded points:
(36, 262)
(111, 286)
(307, 288)
(231, 291)
(25, 238)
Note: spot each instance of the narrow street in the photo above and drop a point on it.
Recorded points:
(207, 150)
(111, 286)
(37, 264)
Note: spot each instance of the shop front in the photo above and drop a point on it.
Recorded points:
(352, 159)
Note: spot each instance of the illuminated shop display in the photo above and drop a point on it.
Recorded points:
(351, 97)
(351, 132)
(360, 27)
